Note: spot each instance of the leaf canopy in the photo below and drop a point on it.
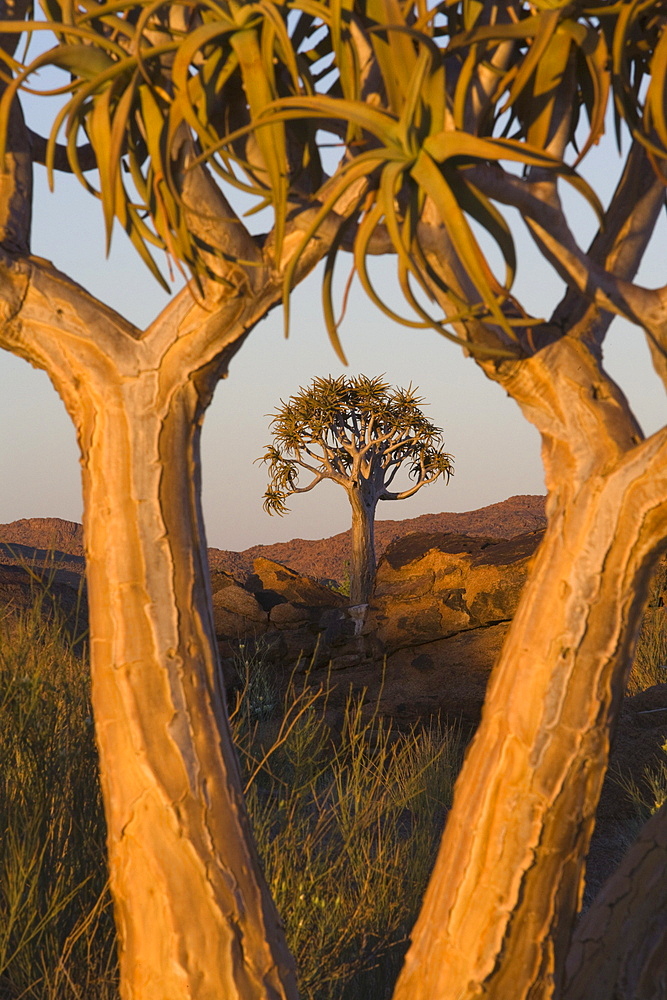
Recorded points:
(300, 105)
(358, 432)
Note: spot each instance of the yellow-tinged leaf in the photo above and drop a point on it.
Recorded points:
(86, 61)
(271, 138)
(366, 229)
(548, 75)
(469, 148)
(480, 208)
(596, 57)
(356, 170)
(545, 25)
(394, 50)
(409, 120)
(656, 95)
(99, 130)
(428, 174)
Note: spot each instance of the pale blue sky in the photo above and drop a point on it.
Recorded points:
(496, 451)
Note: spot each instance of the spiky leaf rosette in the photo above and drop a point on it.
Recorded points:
(416, 96)
(140, 79)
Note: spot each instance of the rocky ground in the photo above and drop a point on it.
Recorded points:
(446, 589)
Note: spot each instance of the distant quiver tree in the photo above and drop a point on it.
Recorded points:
(358, 432)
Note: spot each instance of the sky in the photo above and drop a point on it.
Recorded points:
(496, 452)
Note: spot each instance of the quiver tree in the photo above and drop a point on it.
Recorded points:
(359, 433)
(442, 114)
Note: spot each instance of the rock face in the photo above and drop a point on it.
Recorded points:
(432, 586)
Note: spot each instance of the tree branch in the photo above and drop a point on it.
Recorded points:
(583, 273)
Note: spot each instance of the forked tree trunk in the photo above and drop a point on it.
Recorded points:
(498, 913)
(362, 563)
(195, 919)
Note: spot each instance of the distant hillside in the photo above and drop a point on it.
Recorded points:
(326, 557)
(323, 558)
(45, 533)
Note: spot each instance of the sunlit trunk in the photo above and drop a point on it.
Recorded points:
(507, 885)
(194, 917)
(362, 564)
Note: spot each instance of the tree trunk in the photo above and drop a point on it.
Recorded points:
(362, 563)
(195, 919)
(193, 913)
(620, 944)
(499, 910)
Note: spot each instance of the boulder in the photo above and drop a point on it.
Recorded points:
(447, 676)
(58, 591)
(272, 579)
(237, 613)
(430, 586)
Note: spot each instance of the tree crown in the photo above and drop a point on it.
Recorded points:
(453, 107)
(356, 431)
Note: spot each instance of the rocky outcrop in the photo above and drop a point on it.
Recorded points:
(431, 586)
(294, 619)
(277, 584)
(326, 558)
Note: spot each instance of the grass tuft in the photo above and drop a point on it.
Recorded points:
(56, 930)
(347, 821)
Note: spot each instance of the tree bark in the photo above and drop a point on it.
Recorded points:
(193, 913)
(620, 944)
(362, 563)
(499, 910)
(195, 919)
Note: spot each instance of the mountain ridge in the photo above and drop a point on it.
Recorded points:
(323, 558)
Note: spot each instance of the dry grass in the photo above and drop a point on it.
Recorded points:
(650, 664)
(56, 931)
(347, 822)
